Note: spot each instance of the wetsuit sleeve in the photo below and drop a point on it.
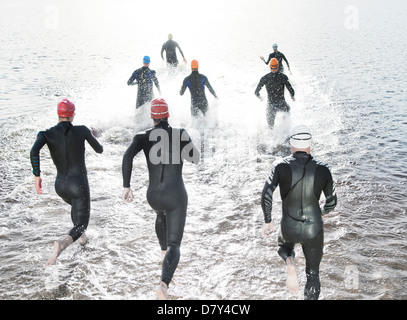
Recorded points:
(162, 50)
(127, 164)
(157, 84)
(210, 87)
(133, 77)
(286, 61)
(330, 194)
(189, 152)
(179, 48)
(35, 153)
(289, 87)
(267, 194)
(94, 143)
(259, 86)
(268, 60)
(184, 87)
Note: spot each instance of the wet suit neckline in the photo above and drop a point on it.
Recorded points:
(162, 124)
(67, 125)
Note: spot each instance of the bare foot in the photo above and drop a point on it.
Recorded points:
(55, 254)
(83, 240)
(163, 253)
(292, 280)
(59, 246)
(161, 291)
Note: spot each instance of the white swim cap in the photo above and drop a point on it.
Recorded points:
(300, 137)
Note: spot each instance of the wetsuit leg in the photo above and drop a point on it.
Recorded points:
(143, 97)
(271, 115)
(175, 230)
(80, 213)
(75, 191)
(196, 107)
(286, 239)
(313, 251)
(286, 250)
(161, 229)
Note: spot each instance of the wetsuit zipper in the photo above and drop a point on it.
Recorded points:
(66, 149)
(305, 219)
(293, 186)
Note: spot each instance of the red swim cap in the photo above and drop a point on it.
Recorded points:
(159, 109)
(66, 109)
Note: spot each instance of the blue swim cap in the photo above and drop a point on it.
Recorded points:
(146, 59)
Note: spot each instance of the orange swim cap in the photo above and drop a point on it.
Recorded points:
(274, 63)
(194, 64)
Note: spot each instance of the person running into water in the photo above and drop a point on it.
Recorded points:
(301, 179)
(170, 47)
(145, 79)
(275, 83)
(165, 149)
(279, 56)
(66, 144)
(196, 83)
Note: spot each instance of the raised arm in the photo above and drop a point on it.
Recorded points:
(94, 143)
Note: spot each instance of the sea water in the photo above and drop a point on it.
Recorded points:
(348, 72)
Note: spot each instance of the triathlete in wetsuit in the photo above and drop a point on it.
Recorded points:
(170, 52)
(275, 83)
(279, 56)
(66, 144)
(196, 83)
(165, 148)
(301, 179)
(144, 78)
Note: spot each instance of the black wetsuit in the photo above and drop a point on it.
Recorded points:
(66, 144)
(302, 179)
(275, 84)
(170, 50)
(144, 78)
(165, 149)
(280, 57)
(196, 83)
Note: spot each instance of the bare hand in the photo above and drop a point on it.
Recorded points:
(38, 185)
(266, 229)
(127, 195)
(262, 58)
